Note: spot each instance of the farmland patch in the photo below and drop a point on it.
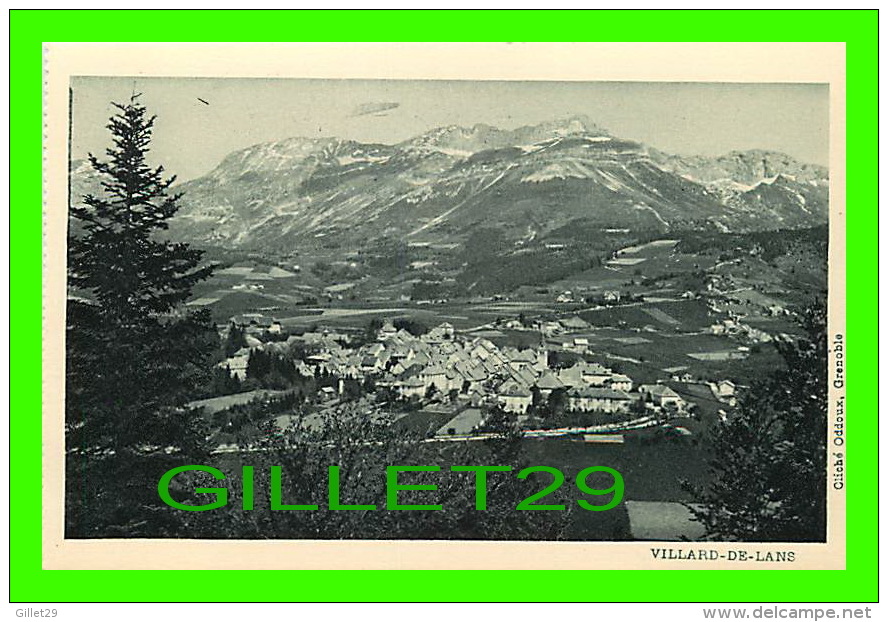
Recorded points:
(661, 316)
(723, 355)
(632, 341)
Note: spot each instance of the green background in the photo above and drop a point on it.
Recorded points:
(29, 583)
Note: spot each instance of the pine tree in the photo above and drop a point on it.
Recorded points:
(236, 339)
(131, 274)
(134, 356)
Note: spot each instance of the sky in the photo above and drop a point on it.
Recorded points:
(191, 137)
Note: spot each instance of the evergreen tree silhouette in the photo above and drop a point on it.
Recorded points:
(134, 356)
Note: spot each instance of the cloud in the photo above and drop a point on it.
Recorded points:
(377, 109)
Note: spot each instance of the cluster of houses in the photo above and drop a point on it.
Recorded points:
(549, 328)
(733, 326)
(254, 326)
(256, 323)
(738, 304)
(443, 362)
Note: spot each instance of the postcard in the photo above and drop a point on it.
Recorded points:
(444, 306)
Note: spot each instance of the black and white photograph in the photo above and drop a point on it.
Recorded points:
(447, 310)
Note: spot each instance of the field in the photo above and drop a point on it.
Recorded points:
(216, 404)
(661, 327)
(652, 469)
(678, 315)
(422, 423)
(651, 361)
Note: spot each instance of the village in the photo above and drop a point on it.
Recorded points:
(469, 379)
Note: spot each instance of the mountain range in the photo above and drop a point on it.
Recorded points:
(451, 181)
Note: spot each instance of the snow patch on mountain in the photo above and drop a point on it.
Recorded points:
(642, 206)
(360, 159)
(559, 170)
(611, 182)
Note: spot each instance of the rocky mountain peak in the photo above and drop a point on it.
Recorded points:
(453, 179)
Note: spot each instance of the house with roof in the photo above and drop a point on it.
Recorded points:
(254, 323)
(524, 376)
(487, 343)
(324, 339)
(532, 360)
(454, 379)
(455, 357)
(578, 344)
(386, 331)
(397, 368)
(374, 349)
(547, 383)
(514, 398)
(572, 376)
(471, 377)
(401, 353)
(621, 382)
(478, 351)
(434, 375)
(442, 332)
(491, 366)
(589, 399)
(419, 360)
(522, 358)
(725, 389)
(237, 364)
(573, 323)
(661, 395)
(596, 375)
(319, 358)
(313, 338)
(449, 347)
(551, 328)
(411, 387)
(370, 364)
